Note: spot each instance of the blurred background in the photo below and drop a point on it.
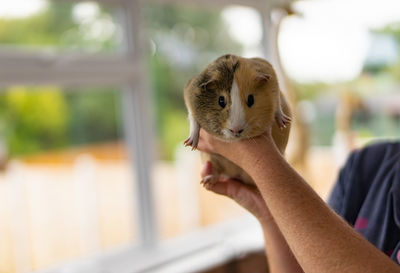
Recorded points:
(94, 176)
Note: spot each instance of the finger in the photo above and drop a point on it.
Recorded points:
(204, 142)
(229, 188)
(218, 188)
(245, 195)
(207, 169)
(202, 146)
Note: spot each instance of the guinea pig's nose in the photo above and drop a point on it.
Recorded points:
(236, 131)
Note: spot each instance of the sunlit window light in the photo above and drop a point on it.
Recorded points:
(21, 8)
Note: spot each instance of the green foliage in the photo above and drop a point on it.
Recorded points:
(93, 115)
(200, 28)
(392, 29)
(393, 70)
(175, 130)
(54, 27)
(48, 27)
(33, 119)
(308, 91)
(42, 118)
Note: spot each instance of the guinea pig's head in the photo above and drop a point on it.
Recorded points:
(235, 97)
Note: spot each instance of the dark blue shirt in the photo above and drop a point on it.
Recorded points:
(367, 195)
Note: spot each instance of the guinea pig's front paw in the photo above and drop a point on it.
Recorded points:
(193, 141)
(282, 120)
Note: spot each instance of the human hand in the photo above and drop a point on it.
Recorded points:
(247, 196)
(244, 153)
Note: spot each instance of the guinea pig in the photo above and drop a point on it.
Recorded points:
(235, 98)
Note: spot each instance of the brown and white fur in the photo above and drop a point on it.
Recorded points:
(236, 98)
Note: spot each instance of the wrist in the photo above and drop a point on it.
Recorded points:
(267, 224)
(266, 220)
(255, 153)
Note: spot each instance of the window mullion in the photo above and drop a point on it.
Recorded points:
(59, 69)
(138, 121)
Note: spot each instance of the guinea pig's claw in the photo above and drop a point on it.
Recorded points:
(194, 135)
(192, 142)
(282, 120)
(209, 180)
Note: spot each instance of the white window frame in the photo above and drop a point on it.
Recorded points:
(124, 69)
(127, 69)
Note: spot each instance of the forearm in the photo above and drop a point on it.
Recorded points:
(280, 257)
(319, 239)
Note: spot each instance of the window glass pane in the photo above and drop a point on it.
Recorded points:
(184, 39)
(66, 184)
(57, 26)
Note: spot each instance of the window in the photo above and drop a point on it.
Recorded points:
(72, 149)
(94, 190)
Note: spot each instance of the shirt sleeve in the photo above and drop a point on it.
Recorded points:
(351, 187)
(356, 177)
(367, 195)
(337, 199)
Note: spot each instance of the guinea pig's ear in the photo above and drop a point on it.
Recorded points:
(209, 85)
(262, 79)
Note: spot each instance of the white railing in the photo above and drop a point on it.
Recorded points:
(53, 213)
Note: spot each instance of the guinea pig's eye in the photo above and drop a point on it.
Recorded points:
(221, 101)
(250, 100)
